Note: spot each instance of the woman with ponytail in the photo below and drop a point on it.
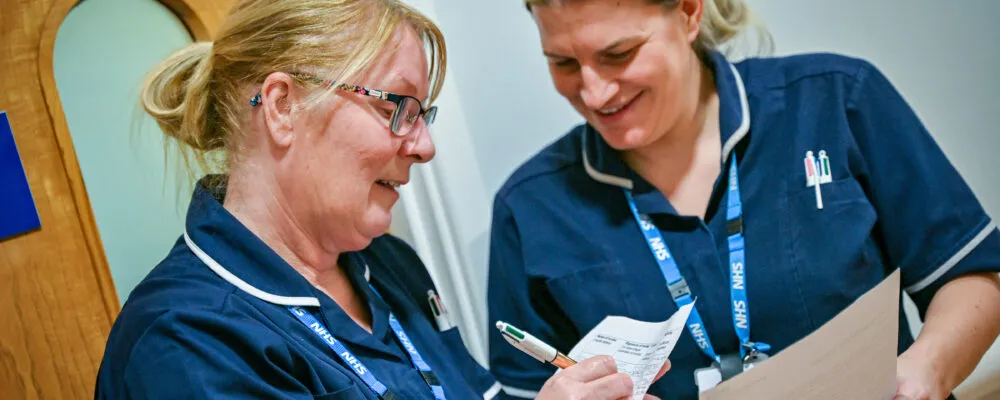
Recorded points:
(308, 115)
(774, 190)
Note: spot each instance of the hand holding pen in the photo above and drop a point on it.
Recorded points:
(596, 377)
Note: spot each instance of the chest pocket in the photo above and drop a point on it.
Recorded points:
(589, 294)
(835, 257)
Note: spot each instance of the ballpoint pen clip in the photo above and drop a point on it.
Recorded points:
(440, 313)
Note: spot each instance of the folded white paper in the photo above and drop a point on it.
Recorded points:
(639, 348)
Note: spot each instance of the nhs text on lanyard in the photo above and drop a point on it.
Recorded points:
(359, 368)
(737, 278)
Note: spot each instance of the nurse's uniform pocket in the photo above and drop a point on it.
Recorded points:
(589, 294)
(351, 392)
(835, 255)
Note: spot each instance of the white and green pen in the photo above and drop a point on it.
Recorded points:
(535, 348)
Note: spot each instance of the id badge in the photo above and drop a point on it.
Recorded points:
(710, 377)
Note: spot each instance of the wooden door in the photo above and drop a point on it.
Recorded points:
(57, 300)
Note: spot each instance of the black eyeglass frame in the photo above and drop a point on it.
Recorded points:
(400, 100)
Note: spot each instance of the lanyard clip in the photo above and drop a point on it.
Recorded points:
(755, 349)
(734, 226)
(679, 289)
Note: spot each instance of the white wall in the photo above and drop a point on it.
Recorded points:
(511, 108)
(941, 55)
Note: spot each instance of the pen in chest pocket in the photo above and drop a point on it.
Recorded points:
(814, 177)
(440, 313)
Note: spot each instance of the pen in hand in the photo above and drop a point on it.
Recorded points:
(534, 347)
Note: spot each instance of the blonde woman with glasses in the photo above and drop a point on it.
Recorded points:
(283, 284)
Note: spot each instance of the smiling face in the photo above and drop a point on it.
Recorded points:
(340, 172)
(627, 66)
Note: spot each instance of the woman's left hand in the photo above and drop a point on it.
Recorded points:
(916, 380)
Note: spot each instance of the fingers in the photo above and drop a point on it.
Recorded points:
(591, 369)
(663, 371)
(613, 386)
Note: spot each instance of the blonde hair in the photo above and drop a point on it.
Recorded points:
(721, 22)
(199, 95)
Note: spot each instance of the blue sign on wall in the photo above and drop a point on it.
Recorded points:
(17, 206)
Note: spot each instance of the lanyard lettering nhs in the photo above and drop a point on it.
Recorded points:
(340, 350)
(359, 368)
(737, 271)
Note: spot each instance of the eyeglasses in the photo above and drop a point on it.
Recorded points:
(404, 116)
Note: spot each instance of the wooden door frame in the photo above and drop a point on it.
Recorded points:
(201, 18)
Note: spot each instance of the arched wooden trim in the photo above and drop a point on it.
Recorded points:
(201, 18)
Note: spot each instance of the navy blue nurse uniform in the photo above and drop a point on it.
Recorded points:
(566, 250)
(211, 321)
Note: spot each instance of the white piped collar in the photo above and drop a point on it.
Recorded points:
(223, 273)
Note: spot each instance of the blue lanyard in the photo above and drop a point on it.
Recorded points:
(359, 368)
(737, 266)
(340, 350)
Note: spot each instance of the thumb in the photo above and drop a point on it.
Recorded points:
(909, 391)
(650, 397)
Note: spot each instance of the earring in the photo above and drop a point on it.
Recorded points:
(255, 101)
